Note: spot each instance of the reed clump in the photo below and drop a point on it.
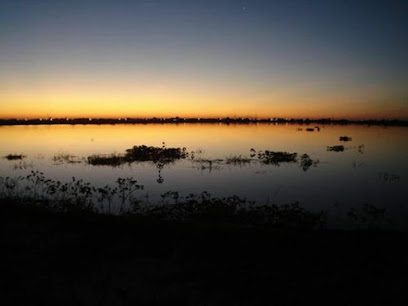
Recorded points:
(124, 198)
(237, 160)
(345, 138)
(65, 158)
(275, 158)
(14, 156)
(140, 154)
(335, 148)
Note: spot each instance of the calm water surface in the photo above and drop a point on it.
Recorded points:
(372, 169)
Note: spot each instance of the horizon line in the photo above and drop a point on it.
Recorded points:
(177, 120)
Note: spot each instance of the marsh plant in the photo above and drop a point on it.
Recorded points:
(79, 196)
(335, 148)
(345, 138)
(65, 158)
(140, 154)
(74, 195)
(306, 162)
(275, 158)
(237, 160)
(14, 156)
(208, 163)
(368, 217)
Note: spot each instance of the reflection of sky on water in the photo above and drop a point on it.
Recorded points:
(347, 178)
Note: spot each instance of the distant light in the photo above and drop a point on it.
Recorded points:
(199, 119)
(25, 119)
(119, 119)
(40, 119)
(90, 119)
(50, 119)
(125, 119)
(66, 119)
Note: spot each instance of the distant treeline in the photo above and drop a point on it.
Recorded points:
(178, 120)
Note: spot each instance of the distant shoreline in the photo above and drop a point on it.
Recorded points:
(178, 120)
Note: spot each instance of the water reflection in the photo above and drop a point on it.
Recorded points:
(252, 161)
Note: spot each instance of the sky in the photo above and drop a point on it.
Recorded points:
(145, 58)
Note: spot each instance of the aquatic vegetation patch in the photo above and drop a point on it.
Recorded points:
(387, 177)
(368, 217)
(113, 160)
(208, 163)
(65, 158)
(78, 196)
(335, 148)
(306, 162)
(237, 160)
(345, 138)
(139, 154)
(155, 154)
(14, 156)
(275, 158)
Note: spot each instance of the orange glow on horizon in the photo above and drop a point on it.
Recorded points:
(99, 101)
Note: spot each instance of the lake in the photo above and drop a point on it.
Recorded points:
(370, 168)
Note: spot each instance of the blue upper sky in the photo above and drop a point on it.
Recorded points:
(345, 58)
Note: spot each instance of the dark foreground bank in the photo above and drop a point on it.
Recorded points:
(54, 258)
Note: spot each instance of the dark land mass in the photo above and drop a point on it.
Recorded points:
(54, 258)
(178, 120)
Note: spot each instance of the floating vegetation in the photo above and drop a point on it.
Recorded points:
(309, 129)
(335, 148)
(275, 158)
(196, 152)
(388, 177)
(237, 160)
(345, 138)
(23, 165)
(113, 160)
(306, 162)
(140, 154)
(357, 165)
(155, 154)
(208, 164)
(14, 156)
(64, 158)
(368, 217)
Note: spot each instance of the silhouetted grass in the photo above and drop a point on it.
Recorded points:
(195, 250)
(345, 138)
(237, 160)
(275, 158)
(140, 154)
(80, 196)
(113, 160)
(14, 156)
(62, 158)
(335, 148)
(306, 162)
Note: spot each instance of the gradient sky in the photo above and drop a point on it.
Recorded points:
(204, 58)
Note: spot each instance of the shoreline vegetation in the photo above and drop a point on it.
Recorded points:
(179, 120)
(126, 198)
(198, 250)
